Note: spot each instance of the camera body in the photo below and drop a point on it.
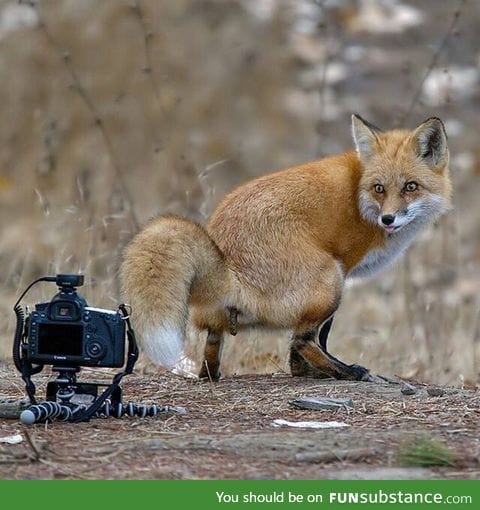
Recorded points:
(66, 331)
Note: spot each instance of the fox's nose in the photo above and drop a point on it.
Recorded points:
(388, 219)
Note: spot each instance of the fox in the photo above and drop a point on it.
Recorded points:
(277, 250)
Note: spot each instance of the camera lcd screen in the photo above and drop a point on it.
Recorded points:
(60, 339)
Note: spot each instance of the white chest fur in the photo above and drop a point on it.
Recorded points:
(380, 258)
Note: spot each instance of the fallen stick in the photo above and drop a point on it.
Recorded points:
(333, 456)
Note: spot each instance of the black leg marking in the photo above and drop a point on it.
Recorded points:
(299, 367)
(324, 332)
(322, 362)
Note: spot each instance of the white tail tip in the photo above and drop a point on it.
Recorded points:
(164, 345)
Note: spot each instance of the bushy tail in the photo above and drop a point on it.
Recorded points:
(161, 267)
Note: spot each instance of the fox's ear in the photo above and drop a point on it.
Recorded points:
(364, 136)
(430, 142)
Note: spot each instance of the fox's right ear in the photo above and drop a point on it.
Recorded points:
(364, 136)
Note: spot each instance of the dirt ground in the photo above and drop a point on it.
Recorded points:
(228, 432)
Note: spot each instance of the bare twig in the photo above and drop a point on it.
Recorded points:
(147, 39)
(208, 371)
(327, 60)
(409, 295)
(434, 61)
(476, 342)
(31, 443)
(99, 122)
(275, 364)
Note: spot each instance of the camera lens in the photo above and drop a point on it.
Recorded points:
(94, 349)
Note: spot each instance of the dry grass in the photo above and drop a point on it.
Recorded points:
(117, 112)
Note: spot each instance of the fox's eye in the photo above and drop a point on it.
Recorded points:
(379, 188)
(411, 186)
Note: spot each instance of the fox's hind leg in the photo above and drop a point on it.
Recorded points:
(211, 357)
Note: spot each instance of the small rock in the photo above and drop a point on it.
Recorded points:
(10, 408)
(436, 392)
(322, 403)
(408, 389)
(179, 409)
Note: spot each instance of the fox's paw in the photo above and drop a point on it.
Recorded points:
(309, 371)
(359, 373)
(209, 374)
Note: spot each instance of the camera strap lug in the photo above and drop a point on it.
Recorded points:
(114, 388)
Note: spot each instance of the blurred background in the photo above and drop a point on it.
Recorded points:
(115, 111)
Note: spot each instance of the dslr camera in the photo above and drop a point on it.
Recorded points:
(67, 332)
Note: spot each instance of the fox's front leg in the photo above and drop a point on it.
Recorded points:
(322, 340)
(299, 366)
(309, 357)
(324, 332)
(321, 364)
(302, 368)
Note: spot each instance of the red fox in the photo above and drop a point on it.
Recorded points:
(278, 249)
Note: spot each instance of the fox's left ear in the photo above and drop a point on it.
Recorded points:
(365, 137)
(430, 142)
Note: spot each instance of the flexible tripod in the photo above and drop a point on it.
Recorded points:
(60, 404)
(64, 394)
